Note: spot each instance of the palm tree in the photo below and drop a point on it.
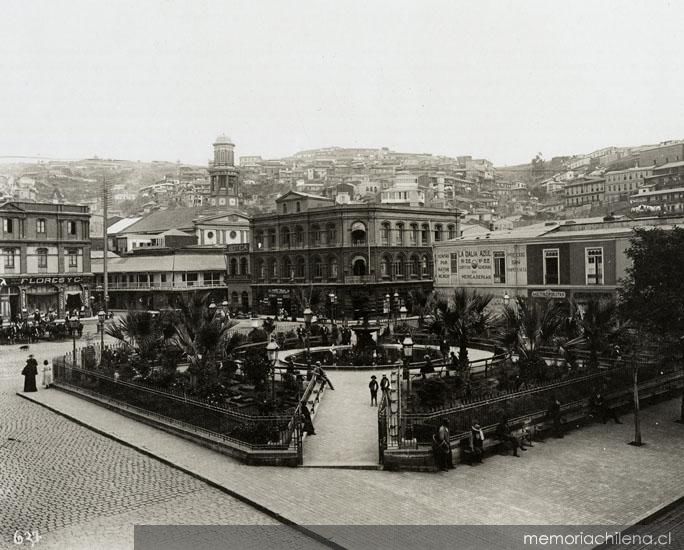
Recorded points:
(526, 328)
(599, 328)
(140, 331)
(461, 319)
(199, 332)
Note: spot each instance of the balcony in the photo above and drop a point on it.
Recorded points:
(359, 279)
(165, 286)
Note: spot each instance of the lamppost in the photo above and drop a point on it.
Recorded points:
(212, 308)
(407, 348)
(396, 305)
(272, 351)
(308, 316)
(73, 326)
(101, 316)
(333, 300)
(386, 309)
(226, 313)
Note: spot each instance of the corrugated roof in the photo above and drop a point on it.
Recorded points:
(122, 224)
(163, 220)
(168, 263)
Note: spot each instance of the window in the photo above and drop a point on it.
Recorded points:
(499, 267)
(10, 257)
(424, 266)
(8, 225)
(40, 225)
(385, 267)
(333, 269)
(244, 266)
(385, 234)
(332, 234)
(317, 268)
(452, 231)
(71, 227)
(284, 208)
(299, 207)
(454, 263)
(73, 258)
(400, 234)
(210, 234)
(594, 265)
(42, 258)
(551, 266)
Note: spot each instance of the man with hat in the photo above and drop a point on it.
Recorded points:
(320, 373)
(373, 386)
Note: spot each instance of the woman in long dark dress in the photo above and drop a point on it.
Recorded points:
(30, 372)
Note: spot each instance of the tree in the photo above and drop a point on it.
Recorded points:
(528, 326)
(421, 303)
(652, 294)
(461, 319)
(599, 328)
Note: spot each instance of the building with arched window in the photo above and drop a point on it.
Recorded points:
(312, 248)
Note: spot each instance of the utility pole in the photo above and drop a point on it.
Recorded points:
(637, 421)
(105, 285)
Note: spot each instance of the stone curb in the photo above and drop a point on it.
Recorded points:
(246, 500)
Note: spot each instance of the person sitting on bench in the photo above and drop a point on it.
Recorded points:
(503, 433)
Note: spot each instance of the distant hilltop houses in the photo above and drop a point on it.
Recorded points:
(624, 180)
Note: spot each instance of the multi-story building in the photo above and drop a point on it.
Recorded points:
(621, 184)
(45, 258)
(572, 260)
(150, 278)
(669, 200)
(584, 191)
(663, 154)
(359, 253)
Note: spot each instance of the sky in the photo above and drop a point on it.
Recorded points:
(503, 80)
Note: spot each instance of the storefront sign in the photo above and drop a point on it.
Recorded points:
(278, 292)
(442, 268)
(475, 265)
(34, 281)
(239, 247)
(547, 294)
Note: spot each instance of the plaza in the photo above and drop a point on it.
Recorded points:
(82, 473)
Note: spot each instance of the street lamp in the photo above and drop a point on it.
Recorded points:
(333, 300)
(101, 316)
(212, 307)
(403, 313)
(308, 316)
(506, 299)
(407, 348)
(73, 326)
(272, 351)
(224, 306)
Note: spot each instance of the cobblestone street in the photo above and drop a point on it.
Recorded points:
(79, 489)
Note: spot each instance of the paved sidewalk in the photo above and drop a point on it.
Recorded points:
(590, 477)
(346, 424)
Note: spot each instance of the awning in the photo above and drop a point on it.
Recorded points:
(72, 292)
(42, 291)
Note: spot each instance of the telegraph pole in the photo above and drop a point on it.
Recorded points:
(105, 285)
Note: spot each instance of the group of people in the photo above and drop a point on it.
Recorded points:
(30, 372)
(373, 386)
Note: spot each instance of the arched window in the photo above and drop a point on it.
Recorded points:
(271, 238)
(415, 266)
(452, 231)
(400, 266)
(261, 269)
(288, 270)
(285, 237)
(358, 234)
(316, 234)
(259, 240)
(284, 208)
(425, 235)
(385, 233)
(273, 268)
(413, 234)
(243, 266)
(424, 267)
(331, 231)
(300, 268)
(234, 297)
(317, 268)
(386, 267)
(400, 234)
(233, 267)
(332, 268)
(299, 207)
(438, 232)
(359, 267)
(299, 236)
